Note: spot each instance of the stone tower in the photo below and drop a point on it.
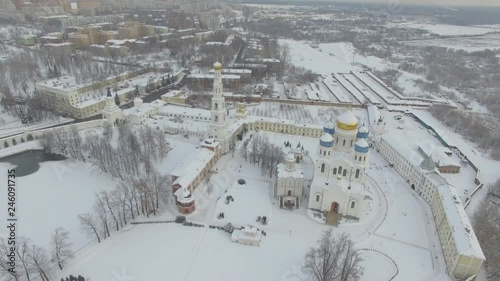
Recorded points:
(111, 111)
(218, 127)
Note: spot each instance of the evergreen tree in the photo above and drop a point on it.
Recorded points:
(109, 92)
(5, 144)
(22, 140)
(117, 99)
(14, 142)
(29, 137)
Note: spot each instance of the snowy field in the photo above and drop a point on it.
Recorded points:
(477, 43)
(446, 29)
(54, 196)
(329, 58)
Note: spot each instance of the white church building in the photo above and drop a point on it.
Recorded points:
(290, 182)
(338, 186)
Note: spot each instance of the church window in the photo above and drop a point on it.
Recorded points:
(324, 153)
(216, 118)
(357, 173)
(323, 167)
(216, 106)
(353, 204)
(364, 158)
(340, 170)
(334, 171)
(343, 143)
(351, 143)
(355, 157)
(328, 153)
(289, 192)
(317, 197)
(344, 173)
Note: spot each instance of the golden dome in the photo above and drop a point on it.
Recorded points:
(347, 121)
(217, 66)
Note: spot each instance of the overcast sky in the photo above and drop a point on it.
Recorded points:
(442, 2)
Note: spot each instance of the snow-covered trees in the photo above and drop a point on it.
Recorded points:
(60, 247)
(263, 153)
(89, 225)
(333, 259)
(487, 229)
(32, 261)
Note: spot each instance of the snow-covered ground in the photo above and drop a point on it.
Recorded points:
(446, 29)
(8, 32)
(470, 44)
(54, 196)
(329, 58)
(187, 253)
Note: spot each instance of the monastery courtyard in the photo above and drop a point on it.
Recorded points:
(392, 246)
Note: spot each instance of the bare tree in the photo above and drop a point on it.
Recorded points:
(89, 225)
(61, 247)
(39, 261)
(333, 259)
(21, 250)
(110, 204)
(102, 215)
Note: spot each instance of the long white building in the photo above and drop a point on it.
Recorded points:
(461, 250)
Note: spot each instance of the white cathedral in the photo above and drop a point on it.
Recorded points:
(338, 186)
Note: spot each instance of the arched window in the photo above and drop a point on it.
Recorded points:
(317, 197)
(324, 153)
(334, 171)
(289, 192)
(328, 153)
(355, 157)
(216, 106)
(344, 173)
(340, 170)
(353, 204)
(357, 173)
(351, 142)
(343, 143)
(323, 167)
(216, 118)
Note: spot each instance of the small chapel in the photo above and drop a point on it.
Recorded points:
(338, 185)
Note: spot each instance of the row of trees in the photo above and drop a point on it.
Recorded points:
(133, 157)
(266, 155)
(477, 128)
(34, 262)
(132, 198)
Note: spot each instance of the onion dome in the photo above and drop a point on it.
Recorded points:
(347, 121)
(362, 132)
(329, 128)
(326, 140)
(361, 146)
(217, 66)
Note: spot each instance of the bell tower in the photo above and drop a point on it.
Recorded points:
(218, 127)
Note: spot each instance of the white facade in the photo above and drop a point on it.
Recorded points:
(219, 118)
(249, 235)
(340, 172)
(111, 111)
(290, 183)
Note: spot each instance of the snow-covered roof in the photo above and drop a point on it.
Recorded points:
(363, 129)
(211, 76)
(284, 173)
(290, 157)
(428, 164)
(462, 232)
(185, 111)
(441, 155)
(253, 119)
(188, 170)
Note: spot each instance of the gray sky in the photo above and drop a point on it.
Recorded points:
(442, 2)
